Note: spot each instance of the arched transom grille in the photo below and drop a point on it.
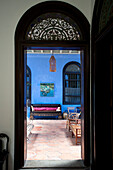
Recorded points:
(73, 68)
(53, 26)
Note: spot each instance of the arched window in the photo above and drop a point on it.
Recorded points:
(71, 83)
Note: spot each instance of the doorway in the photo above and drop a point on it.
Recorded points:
(50, 134)
(76, 38)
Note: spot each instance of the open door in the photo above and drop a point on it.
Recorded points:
(111, 91)
(82, 104)
(25, 105)
(85, 107)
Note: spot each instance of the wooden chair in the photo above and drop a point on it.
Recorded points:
(72, 117)
(73, 121)
(4, 140)
(71, 111)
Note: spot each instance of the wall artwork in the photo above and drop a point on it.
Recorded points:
(47, 89)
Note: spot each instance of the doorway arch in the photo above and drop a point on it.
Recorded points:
(22, 43)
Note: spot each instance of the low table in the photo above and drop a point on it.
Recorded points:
(76, 130)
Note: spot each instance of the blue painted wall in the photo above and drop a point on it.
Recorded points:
(39, 65)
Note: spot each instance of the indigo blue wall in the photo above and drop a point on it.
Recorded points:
(39, 65)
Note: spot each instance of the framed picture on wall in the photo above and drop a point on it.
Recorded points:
(47, 89)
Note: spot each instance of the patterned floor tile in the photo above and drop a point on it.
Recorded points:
(50, 140)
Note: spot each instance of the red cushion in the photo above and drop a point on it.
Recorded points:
(45, 108)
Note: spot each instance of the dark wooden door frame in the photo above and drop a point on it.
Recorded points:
(101, 110)
(21, 43)
(102, 133)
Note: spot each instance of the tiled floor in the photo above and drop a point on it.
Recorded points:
(50, 140)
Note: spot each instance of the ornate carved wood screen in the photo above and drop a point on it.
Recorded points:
(106, 13)
(52, 62)
(53, 26)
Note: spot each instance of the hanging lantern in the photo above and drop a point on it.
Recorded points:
(52, 63)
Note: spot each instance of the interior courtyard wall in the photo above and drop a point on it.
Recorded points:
(39, 66)
(10, 14)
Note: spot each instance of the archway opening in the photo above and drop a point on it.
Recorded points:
(50, 30)
(50, 132)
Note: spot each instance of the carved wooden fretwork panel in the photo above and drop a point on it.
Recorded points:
(106, 13)
(53, 26)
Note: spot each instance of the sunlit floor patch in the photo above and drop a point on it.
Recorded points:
(50, 140)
